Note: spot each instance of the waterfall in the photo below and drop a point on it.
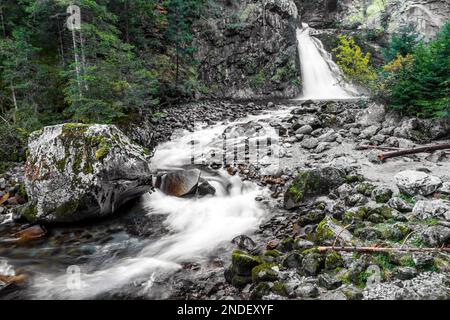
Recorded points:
(320, 75)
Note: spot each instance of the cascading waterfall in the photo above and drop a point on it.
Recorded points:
(320, 75)
(197, 226)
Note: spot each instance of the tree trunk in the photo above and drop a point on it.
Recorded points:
(387, 155)
(77, 66)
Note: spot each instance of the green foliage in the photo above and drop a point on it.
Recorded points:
(402, 42)
(128, 56)
(418, 83)
(353, 62)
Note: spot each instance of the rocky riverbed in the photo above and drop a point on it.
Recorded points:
(328, 190)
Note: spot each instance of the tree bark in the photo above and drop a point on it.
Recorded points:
(77, 66)
(387, 155)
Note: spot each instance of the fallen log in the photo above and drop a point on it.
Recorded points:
(387, 155)
(379, 249)
(368, 147)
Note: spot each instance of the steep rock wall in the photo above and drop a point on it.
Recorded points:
(248, 49)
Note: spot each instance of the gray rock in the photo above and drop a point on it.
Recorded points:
(307, 291)
(306, 129)
(436, 236)
(345, 190)
(205, 188)
(373, 115)
(425, 286)
(400, 205)
(414, 183)
(329, 282)
(381, 194)
(323, 146)
(405, 273)
(369, 132)
(426, 209)
(310, 183)
(445, 189)
(312, 264)
(309, 143)
(77, 171)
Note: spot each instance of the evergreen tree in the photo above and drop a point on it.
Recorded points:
(403, 42)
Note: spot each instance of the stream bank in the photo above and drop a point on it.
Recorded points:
(313, 136)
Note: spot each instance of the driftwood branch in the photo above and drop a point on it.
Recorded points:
(378, 249)
(369, 147)
(387, 155)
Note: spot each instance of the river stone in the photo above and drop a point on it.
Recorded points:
(373, 115)
(436, 236)
(309, 143)
(205, 188)
(382, 194)
(77, 171)
(309, 183)
(306, 129)
(414, 183)
(426, 209)
(180, 183)
(400, 205)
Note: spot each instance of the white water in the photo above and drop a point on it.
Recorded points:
(198, 226)
(320, 75)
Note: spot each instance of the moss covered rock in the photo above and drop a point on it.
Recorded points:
(78, 171)
(311, 183)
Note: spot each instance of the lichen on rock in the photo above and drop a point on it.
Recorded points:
(79, 171)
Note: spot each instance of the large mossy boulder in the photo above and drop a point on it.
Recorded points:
(77, 171)
(310, 183)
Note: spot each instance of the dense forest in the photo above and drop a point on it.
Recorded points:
(127, 57)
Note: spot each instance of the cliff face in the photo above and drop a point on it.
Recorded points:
(426, 16)
(248, 49)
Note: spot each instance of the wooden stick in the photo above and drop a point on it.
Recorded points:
(364, 147)
(387, 155)
(377, 249)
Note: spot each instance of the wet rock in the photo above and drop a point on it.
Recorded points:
(400, 205)
(244, 242)
(414, 183)
(180, 183)
(239, 274)
(382, 194)
(205, 188)
(310, 183)
(76, 171)
(426, 209)
(30, 234)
